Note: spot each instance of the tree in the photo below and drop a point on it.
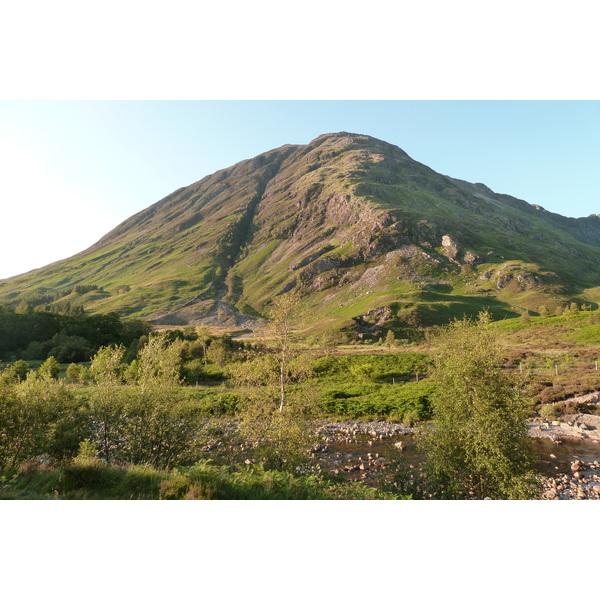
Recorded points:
(390, 339)
(15, 372)
(73, 373)
(478, 447)
(160, 426)
(203, 337)
(159, 363)
(282, 317)
(49, 369)
(38, 417)
(217, 352)
(107, 399)
(147, 421)
(276, 421)
(107, 365)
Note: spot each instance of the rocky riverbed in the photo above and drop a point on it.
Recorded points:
(579, 426)
(582, 480)
(364, 451)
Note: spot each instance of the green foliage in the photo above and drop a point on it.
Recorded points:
(107, 366)
(390, 339)
(399, 367)
(202, 481)
(15, 372)
(38, 417)
(548, 411)
(205, 481)
(159, 363)
(21, 369)
(279, 439)
(217, 352)
(162, 430)
(193, 371)
(478, 447)
(73, 373)
(378, 400)
(148, 421)
(70, 338)
(589, 334)
(49, 369)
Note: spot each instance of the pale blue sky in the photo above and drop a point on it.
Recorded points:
(74, 170)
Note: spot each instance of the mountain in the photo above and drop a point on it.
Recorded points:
(369, 238)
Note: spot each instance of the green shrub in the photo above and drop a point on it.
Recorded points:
(375, 401)
(384, 368)
(548, 411)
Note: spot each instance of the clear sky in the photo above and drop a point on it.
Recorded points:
(73, 170)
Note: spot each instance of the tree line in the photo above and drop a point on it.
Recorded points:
(36, 335)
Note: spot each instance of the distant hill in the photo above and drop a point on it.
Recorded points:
(368, 237)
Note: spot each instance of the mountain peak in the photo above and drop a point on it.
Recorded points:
(368, 237)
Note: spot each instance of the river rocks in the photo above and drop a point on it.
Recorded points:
(576, 465)
(577, 426)
(582, 484)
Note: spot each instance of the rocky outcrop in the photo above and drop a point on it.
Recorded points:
(578, 426)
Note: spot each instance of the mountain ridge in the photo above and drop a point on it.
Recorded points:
(352, 223)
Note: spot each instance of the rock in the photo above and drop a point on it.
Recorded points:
(551, 494)
(576, 465)
(399, 446)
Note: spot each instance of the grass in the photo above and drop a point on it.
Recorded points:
(203, 481)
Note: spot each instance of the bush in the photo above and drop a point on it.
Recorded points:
(38, 418)
(384, 368)
(378, 400)
(548, 411)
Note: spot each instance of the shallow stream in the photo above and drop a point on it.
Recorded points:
(551, 458)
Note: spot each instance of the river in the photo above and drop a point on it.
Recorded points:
(355, 457)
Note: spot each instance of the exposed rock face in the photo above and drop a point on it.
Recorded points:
(450, 247)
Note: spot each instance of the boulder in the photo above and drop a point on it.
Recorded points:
(576, 465)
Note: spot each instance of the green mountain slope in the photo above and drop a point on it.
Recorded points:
(367, 236)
